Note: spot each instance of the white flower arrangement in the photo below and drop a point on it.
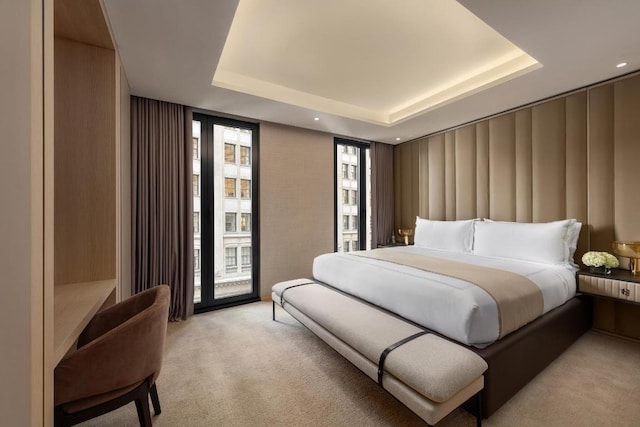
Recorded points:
(600, 259)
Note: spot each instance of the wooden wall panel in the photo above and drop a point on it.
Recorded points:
(407, 196)
(423, 183)
(524, 210)
(482, 169)
(548, 161)
(502, 168)
(576, 165)
(465, 169)
(437, 201)
(450, 175)
(601, 188)
(626, 95)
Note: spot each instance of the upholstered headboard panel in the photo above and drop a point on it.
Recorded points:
(571, 157)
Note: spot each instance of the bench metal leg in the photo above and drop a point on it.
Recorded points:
(274, 310)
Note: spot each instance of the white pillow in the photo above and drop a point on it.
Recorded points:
(539, 242)
(447, 235)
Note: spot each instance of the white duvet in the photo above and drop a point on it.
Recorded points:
(453, 307)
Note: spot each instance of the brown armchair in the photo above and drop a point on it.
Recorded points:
(118, 359)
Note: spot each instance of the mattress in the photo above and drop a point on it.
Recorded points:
(455, 308)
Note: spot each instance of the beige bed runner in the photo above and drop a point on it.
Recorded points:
(519, 300)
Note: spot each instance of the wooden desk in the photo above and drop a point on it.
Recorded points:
(74, 306)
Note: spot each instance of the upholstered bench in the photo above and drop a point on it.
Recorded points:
(430, 375)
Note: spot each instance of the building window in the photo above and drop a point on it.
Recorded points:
(345, 222)
(196, 222)
(230, 259)
(196, 185)
(345, 197)
(196, 259)
(230, 187)
(354, 172)
(246, 255)
(345, 171)
(245, 155)
(229, 153)
(230, 222)
(345, 246)
(354, 245)
(196, 148)
(354, 222)
(245, 188)
(354, 197)
(245, 222)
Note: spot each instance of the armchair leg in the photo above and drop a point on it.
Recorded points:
(154, 400)
(144, 416)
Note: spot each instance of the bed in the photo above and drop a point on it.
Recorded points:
(423, 285)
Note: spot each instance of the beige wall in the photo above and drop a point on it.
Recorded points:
(296, 202)
(21, 215)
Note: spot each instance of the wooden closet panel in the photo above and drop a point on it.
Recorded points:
(523, 165)
(626, 130)
(450, 175)
(601, 177)
(548, 161)
(423, 183)
(436, 178)
(465, 165)
(502, 171)
(576, 167)
(482, 169)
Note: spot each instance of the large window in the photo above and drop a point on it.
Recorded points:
(225, 209)
(352, 196)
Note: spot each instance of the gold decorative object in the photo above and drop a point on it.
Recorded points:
(405, 232)
(629, 250)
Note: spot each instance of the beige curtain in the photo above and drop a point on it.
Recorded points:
(162, 203)
(381, 193)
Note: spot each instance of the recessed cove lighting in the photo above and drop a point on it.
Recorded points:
(622, 64)
(316, 118)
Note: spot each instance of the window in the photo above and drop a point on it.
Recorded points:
(196, 222)
(245, 222)
(229, 153)
(196, 185)
(245, 188)
(196, 148)
(230, 222)
(229, 187)
(245, 155)
(230, 259)
(352, 200)
(246, 255)
(196, 259)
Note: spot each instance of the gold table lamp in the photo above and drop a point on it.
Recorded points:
(629, 250)
(405, 232)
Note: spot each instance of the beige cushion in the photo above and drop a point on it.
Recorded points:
(434, 367)
(278, 288)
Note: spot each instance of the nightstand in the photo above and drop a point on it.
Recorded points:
(616, 302)
(620, 284)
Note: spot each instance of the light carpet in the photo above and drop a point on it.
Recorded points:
(236, 367)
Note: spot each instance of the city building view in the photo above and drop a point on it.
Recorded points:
(348, 204)
(232, 186)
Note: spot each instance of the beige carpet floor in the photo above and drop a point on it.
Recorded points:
(236, 367)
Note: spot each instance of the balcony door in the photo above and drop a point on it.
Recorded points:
(225, 212)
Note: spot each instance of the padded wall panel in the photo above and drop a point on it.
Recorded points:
(523, 165)
(626, 94)
(576, 165)
(423, 183)
(548, 161)
(482, 169)
(601, 188)
(502, 171)
(450, 175)
(437, 200)
(408, 171)
(465, 167)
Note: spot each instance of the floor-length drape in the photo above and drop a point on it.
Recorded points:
(162, 201)
(381, 193)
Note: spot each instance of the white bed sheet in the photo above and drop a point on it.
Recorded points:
(453, 307)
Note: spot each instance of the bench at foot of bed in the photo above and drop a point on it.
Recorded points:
(430, 375)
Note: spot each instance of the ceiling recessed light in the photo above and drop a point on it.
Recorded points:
(316, 118)
(622, 64)
(397, 139)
